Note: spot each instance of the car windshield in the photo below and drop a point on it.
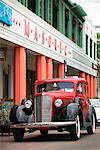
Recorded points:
(56, 86)
(95, 103)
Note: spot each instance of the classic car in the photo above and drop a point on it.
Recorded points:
(58, 104)
(96, 104)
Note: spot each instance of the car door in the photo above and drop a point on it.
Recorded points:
(82, 93)
(86, 99)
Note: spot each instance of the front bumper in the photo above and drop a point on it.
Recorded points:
(43, 125)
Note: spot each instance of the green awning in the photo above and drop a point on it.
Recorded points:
(78, 10)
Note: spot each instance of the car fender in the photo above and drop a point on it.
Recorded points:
(91, 111)
(72, 111)
(88, 119)
(22, 116)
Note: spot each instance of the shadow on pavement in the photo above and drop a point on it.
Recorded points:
(51, 137)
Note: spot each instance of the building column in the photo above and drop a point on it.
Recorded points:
(91, 85)
(95, 86)
(20, 74)
(41, 67)
(88, 81)
(82, 74)
(49, 71)
(61, 71)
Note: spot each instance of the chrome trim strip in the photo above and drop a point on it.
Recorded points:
(43, 124)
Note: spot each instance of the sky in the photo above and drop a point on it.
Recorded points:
(92, 8)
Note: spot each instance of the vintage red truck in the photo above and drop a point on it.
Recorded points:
(58, 104)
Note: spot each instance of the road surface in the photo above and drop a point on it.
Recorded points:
(54, 141)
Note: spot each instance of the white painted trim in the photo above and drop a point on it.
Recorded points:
(40, 22)
(38, 48)
(80, 66)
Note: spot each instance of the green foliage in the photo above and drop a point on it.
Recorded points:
(98, 45)
(98, 35)
(5, 117)
(98, 54)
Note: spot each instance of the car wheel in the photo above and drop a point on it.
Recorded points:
(91, 129)
(18, 134)
(12, 115)
(75, 131)
(44, 132)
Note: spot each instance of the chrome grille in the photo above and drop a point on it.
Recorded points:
(39, 109)
(43, 108)
(47, 108)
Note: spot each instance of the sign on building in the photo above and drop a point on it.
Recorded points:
(5, 14)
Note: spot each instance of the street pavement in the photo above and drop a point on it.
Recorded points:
(54, 141)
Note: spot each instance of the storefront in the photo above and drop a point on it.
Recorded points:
(31, 49)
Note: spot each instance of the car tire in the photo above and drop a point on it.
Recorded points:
(75, 131)
(44, 132)
(18, 134)
(91, 129)
(12, 115)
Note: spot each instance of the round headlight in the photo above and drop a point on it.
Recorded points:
(58, 102)
(28, 104)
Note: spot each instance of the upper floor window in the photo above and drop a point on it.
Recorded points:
(79, 37)
(86, 44)
(94, 51)
(55, 69)
(32, 5)
(73, 29)
(91, 48)
(66, 21)
(24, 2)
(55, 13)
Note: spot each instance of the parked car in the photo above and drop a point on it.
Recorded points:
(59, 104)
(96, 104)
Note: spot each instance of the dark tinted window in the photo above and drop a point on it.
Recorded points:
(79, 88)
(55, 86)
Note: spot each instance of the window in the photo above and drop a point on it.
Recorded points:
(73, 29)
(91, 48)
(79, 88)
(55, 70)
(66, 86)
(30, 78)
(86, 44)
(32, 5)
(95, 102)
(46, 10)
(85, 89)
(41, 9)
(79, 37)
(23, 2)
(94, 51)
(66, 21)
(7, 82)
(55, 9)
(56, 86)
